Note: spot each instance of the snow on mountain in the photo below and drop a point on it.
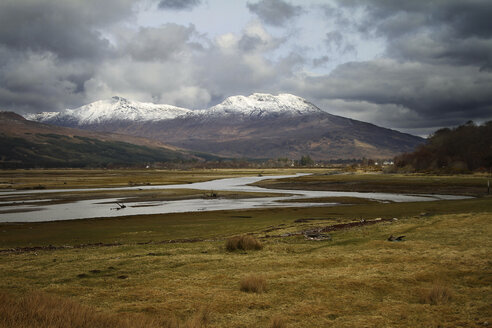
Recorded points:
(264, 104)
(42, 117)
(114, 109)
(121, 109)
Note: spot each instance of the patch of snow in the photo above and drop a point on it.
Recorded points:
(41, 116)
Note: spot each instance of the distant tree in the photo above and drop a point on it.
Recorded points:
(306, 161)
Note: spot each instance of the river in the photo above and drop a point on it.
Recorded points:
(100, 208)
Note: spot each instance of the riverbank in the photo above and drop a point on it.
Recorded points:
(471, 184)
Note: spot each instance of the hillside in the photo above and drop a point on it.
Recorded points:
(257, 126)
(25, 144)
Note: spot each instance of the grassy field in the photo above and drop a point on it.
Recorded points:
(174, 270)
(474, 185)
(79, 178)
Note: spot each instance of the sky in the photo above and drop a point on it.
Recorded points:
(413, 66)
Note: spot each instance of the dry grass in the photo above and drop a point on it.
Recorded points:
(437, 294)
(41, 310)
(278, 322)
(253, 283)
(244, 242)
(356, 280)
(200, 319)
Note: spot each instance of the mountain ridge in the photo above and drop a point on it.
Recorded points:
(119, 108)
(257, 126)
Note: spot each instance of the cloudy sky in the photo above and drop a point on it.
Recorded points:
(414, 66)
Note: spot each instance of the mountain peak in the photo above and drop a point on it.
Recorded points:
(113, 109)
(264, 103)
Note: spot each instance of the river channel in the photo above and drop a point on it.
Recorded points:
(100, 208)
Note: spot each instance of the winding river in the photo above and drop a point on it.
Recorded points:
(100, 208)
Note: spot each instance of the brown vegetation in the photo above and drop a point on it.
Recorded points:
(358, 279)
(245, 242)
(437, 294)
(42, 310)
(278, 322)
(253, 283)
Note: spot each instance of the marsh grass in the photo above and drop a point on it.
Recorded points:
(244, 242)
(253, 283)
(42, 310)
(198, 320)
(278, 322)
(436, 295)
(358, 280)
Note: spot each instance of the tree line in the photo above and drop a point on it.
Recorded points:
(452, 150)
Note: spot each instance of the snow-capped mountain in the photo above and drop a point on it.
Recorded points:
(259, 104)
(110, 110)
(121, 109)
(257, 126)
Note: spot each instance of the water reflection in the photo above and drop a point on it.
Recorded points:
(107, 207)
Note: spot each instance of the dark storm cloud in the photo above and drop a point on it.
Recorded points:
(437, 66)
(427, 89)
(274, 12)
(38, 81)
(68, 29)
(464, 18)
(432, 95)
(446, 31)
(178, 4)
(49, 49)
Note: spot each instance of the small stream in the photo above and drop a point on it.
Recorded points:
(100, 208)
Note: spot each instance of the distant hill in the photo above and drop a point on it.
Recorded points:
(258, 126)
(465, 148)
(25, 144)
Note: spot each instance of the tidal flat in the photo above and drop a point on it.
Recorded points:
(171, 270)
